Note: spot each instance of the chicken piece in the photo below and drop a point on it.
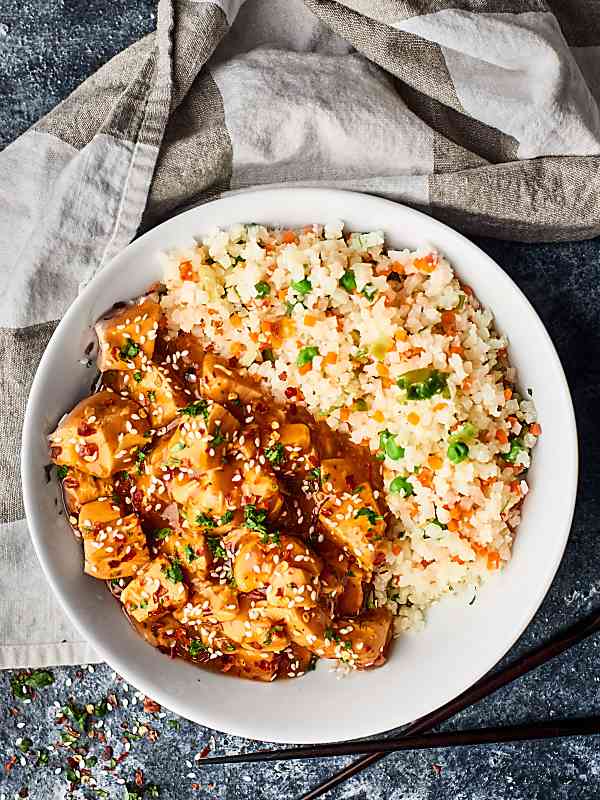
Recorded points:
(166, 633)
(306, 626)
(211, 499)
(158, 588)
(260, 487)
(336, 475)
(253, 629)
(102, 435)
(80, 488)
(223, 384)
(190, 549)
(296, 661)
(209, 602)
(336, 565)
(362, 642)
(350, 601)
(253, 665)
(293, 452)
(185, 355)
(126, 339)
(252, 563)
(114, 546)
(202, 441)
(294, 580)
(154, 388)
(355, 523)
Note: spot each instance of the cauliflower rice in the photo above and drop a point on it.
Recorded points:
(340, 323)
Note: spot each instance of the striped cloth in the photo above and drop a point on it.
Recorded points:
(484, 114)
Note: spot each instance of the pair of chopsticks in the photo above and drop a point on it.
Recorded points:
(414, 736)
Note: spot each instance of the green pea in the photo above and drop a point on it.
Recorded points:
(387, 443)
(457, 452)
(400, 484)
(262, 289)
(302, 287)
(348, 281)
(306, 355)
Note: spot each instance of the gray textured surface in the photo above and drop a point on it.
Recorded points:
(46, 49)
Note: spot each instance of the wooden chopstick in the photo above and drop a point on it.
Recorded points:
(588, 726)
(484, 687)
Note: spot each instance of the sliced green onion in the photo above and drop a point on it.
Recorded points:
(457, 452)
(348, 281)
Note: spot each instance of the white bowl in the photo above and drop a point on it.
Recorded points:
(460, 643)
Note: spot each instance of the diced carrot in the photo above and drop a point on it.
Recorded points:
(235, 320)
(452, 525)
(237, 348)
(493, 559)
(466, 384)
(456, 560)
(282, 294)
(305, 368)
(425, 563)
(478, 549)
(455, 512)
(186, 271)
(535, 429)
(266, 326)
(309, 320)
(502, 436)
(449, 323)
(507, 393)
(344, 414)
(457, 349)
(276, 342)
(396, 549)
(288, 237)
(378, 416)
(515, 487)
(382, 371)
(439, 406)
(287, 327)
(401, 335)
(435, 462)
(330, 358)
(396, 266)
(425, 477)
(254, 336)
(413, 418)
(426, 264)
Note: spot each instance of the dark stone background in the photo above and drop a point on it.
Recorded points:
(46, 48)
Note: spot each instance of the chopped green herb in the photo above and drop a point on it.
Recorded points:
(347, 645)
(196, 647)
(73, 775)
(275, 454)
(217, 438)
(174, 724)
(129, 350)
(348, 281)
(91, 761)
(152, 790)
(262, 289)
(302, 287)
(270, 536)
(25, 745)
(190, 554)
(173, 571)
(152, 397)
(162, 533)
(215, 547)
(229, 648)
(255, 519)
(43, 756)
(306, 355)
(137, 376)
(516, 447)
(140, 457)
(268, 638)
(331, 635)
(77, 714)
(400, 484)
(68, 738)
(62, 472)
(101, 708)
(226, 518)
(38, 679)
(371, 515)
(196, 409)
(388, 445)
(205, 521)
(369, 292)
(468, 431)
(422, 384)
(457, 452)
(315, 474)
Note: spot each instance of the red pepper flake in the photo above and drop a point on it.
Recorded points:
(10, 763)
(291, 392)
(85, 429)
(88, 450)
(204, 752)
(151, 706)
(139, 777)
(55, 451)
(437, 769)
(107, 753)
